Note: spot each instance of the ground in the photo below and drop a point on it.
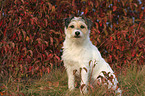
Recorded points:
(131, 81)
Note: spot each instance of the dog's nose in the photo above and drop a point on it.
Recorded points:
(77, 33)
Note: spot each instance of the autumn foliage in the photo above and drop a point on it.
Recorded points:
(31, 33)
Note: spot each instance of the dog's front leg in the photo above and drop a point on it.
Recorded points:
(84, 71)
(71, 79)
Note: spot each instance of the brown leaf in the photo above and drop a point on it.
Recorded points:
(24, 34)
(91, 87)
(53, 8)
(82, 86)
(90, 62)
(74, 72)
(56, 84)
(49, 83)
(27, 38)
(85, 69)
(80, 70)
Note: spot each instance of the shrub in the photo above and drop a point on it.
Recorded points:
(31, 32)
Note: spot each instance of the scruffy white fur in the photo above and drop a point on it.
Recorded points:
(80, 53)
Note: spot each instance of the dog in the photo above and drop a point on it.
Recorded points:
(82, 58)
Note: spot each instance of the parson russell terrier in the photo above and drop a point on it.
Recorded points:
(82, 58)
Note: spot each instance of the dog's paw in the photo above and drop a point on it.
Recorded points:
(71, 88)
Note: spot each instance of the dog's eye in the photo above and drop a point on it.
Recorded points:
(72, 26)
(82, 26)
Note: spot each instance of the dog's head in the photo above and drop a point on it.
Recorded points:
(77, 27)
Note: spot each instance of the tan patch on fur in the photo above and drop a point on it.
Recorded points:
(77, 26)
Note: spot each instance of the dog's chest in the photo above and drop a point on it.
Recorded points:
(76, 55)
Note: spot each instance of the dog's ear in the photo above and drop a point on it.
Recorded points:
(88, 22)
(67, 21)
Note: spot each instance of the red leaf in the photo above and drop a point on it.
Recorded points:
(20, 20)
(111, 38)
(111, 47)
(12, 44)
(122, 49)
(46, 43)
(37, 68)
(114, 8)
(1, 23)
(43, 68)
(30, 68)
(100, 23)
(21, 67)
(42, 2)
(39, 40)
(57, 57)
(5, 32)
(119, 67)
(86, 10)
(6, 49)
(35, 19)
(31, 53)
(117, 46)
(49, 56)
(110, 56)
(124, 61)
(23, 1)
(61, 31)
(32, 21)
(73, 4)
(46, 22)
(51, 65)
(48, 70)
(51, 40)
(133, 53)
(14, 36)
(44, 55)
(24, 34)
(141, 15)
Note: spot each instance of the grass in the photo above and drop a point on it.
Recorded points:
(132, 82)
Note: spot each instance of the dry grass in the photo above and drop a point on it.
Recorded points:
(132, 82)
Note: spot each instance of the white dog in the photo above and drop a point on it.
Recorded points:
(82, 58)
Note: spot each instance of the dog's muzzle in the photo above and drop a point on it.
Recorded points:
(77, 34)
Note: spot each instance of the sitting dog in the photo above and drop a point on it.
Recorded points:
(82, 58)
